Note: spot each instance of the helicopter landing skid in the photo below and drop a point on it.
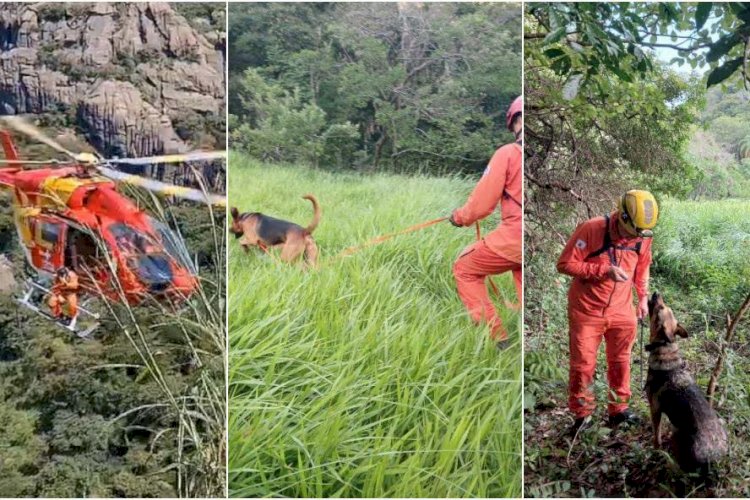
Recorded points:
(34, 296)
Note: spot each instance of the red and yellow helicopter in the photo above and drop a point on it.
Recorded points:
(69, 213)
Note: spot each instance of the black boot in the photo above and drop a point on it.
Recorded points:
(580, 425)
(502, 344)
(626, 417)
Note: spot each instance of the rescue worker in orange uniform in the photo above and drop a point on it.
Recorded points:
(607, 257)
(500, 251)
(64, 291)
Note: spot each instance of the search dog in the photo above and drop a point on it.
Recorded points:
(257, 229)
(699, 438)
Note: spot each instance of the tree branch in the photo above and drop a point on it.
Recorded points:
(731, 327)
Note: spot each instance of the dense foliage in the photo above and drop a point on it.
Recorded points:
(404, 86)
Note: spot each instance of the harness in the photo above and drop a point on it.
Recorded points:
(610, 248)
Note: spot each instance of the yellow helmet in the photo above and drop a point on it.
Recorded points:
(86, 158)
(638, 213)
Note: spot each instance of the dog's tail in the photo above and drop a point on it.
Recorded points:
(316, 213)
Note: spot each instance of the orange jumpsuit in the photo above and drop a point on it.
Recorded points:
(500, 251)
(599, 307)
(64, 291)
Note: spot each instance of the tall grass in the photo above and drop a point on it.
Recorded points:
(365, 377)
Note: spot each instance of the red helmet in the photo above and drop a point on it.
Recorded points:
(515, 108)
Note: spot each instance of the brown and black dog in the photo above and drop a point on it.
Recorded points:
(699, 438)
(256, 229)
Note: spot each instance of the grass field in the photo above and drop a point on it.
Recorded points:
(365, 377)
(702, 267)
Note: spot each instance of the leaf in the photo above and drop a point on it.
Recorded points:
(561, 65)
(723, 72)
(701, 14)
(722, 46)
(554, 35)
(571, 87)
(553, 53)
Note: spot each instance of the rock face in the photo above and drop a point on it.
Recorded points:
(129, 75)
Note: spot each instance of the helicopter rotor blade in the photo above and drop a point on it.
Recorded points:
(174, 158)
(20, 125)
(164, 188)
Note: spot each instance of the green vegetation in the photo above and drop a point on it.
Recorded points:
(401, 86)
(137, 411)
(365, 377)
(605, 116)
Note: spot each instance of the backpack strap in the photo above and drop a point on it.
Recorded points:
(607, 241)
(507, 196)
(607, 244)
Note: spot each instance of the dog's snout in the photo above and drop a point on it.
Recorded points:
(656, 300)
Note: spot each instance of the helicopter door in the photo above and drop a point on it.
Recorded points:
(48, 251)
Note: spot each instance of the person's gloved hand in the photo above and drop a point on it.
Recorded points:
(642, 310)
(453, 221)
(616, 273)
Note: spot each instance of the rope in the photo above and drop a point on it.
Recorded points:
(380, 239)
(375, 241)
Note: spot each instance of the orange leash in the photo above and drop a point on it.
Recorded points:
(386, 237)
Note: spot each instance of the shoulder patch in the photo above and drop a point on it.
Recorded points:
(580, 244)
(486, 171)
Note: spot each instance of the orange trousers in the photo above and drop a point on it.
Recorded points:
(471, 269)
(58, 300)
(586, 334)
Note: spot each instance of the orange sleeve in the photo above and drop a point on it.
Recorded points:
(585, 240)
(643, 270)
(487, 193)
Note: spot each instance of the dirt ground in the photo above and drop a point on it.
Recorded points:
(602, 462)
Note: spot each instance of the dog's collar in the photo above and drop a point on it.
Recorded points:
(654, 345)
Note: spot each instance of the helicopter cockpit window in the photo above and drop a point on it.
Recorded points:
(130, 241)
(174, 245)
(49, 232)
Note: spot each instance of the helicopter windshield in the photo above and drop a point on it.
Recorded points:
(134, 243)
(174, 245)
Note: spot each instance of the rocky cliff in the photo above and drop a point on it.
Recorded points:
(135, 78)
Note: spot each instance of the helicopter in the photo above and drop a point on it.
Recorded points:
(69, 213)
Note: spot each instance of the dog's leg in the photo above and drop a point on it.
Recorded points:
(292, 249)
(656, 423)
(311, 251)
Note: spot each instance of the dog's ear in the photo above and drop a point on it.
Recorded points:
(235, 213)
(680, 330)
